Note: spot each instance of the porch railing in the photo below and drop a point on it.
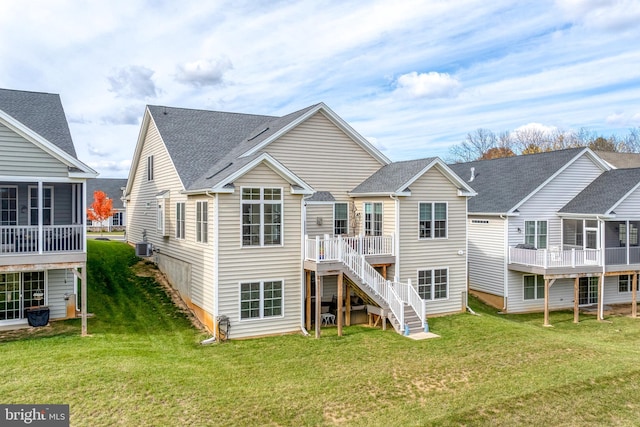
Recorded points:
(620, 256)
(26, 239)
(555, 258)
(348, 251)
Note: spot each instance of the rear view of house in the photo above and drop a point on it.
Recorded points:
(274, 223)
(42, 209)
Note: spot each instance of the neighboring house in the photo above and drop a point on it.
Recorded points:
(275, 222)
(113, 188)
(553, 230)
(42, 229)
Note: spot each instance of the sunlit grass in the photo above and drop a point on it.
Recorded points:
(143, 365)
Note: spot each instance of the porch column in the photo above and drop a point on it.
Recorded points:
(83, 289)
(307, 299)
(634, 294)
(384, 272)
(318, 303)
(546, 302)
(339, 302)
(576, 299)
(40, 218)
(600, 297)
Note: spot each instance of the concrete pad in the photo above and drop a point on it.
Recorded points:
(423, 336)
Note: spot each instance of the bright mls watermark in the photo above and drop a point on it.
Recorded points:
(34, 415)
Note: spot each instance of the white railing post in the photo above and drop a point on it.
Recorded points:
(318, 249)
(573, 257)
(546, 261)
(409, 285)
(360, 250)
(340, 243)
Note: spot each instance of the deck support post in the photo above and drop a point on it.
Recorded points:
(307, 299)
(600, 297)
(318, 304)
(576, 299)
(547, 286)
(339, 302)
(634, 294)
(347, 306)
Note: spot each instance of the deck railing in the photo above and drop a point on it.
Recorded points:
(620, 256)
(555, 258)
(349, 251)
(26, 239)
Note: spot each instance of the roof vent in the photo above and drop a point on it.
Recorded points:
(473, 174)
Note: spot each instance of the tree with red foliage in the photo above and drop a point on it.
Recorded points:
(101, 209)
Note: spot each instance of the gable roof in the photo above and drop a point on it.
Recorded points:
(206, 147)
(112, 187)
(395, 178)
(505, 183)
(40, 118)
(620, 160)
(605, 193)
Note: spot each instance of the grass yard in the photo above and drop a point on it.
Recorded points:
(143, 366)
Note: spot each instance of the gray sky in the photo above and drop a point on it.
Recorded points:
(414, 77)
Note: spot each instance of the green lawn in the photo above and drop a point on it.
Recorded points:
(143, 366)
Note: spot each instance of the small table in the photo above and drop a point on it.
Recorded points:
(328, 318)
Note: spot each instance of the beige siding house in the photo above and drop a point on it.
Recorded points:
(269, 225)
(42, 212)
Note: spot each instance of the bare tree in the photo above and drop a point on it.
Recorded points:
(475, 145)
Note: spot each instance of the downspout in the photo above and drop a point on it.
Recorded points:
(303, 279)
(505, 271)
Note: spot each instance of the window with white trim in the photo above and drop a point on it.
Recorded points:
(533, 286)
(261, 299)
(150, 168)
(340, 218)
(47, 205)
(373, 219)
(433, 220)
(433, 284)
(202, 222)
(117, 219)
(261, 216)
(180, 220)
(625, 283)
(535, 233)
(8, 205)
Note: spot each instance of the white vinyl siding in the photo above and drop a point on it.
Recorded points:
(318, 221)
(176, 257)
(250, 264)
(487, 262)
(449, 252)
(22, 158)
(324, 156)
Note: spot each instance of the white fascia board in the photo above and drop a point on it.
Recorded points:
(464, 193)
(276, 166)
(384, 194)
(623, 198)
(146, 117)
(86, 175)
(498, 214)
(344, 126)
(44, 144)
(585, 216)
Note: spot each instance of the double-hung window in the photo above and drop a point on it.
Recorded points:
(433, 220)
(373, 219)
(533, 286)
(535, 233)
(261, 299)
(202, 222)
(625, 283)
(261, 216)
(180, 220)
(433, 284)
(47, 205)
(340, 218)
(8, 205)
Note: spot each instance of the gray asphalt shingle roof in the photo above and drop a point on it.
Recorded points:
(604, 192)
(40, 112)
(502, 183)
(205, 145)
(390, 178)
(112, 187)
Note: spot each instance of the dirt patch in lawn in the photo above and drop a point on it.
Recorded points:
(148, 269)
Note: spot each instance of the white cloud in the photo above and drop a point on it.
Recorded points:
(537, 128)
(428, 85)
(623, 119)
(616, 15)
(204, 72)
(133, 82)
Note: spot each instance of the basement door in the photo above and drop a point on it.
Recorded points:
(19, 291)
(587, 290)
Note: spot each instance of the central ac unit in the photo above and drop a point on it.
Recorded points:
(143, 249)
